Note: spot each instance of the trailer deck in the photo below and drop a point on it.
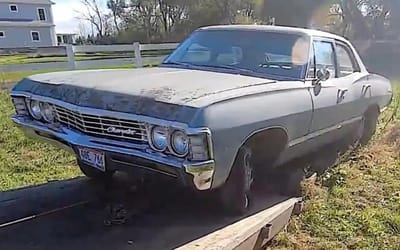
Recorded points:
(71, 215)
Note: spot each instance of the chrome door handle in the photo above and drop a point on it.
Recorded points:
(341, 94)
(365, 88)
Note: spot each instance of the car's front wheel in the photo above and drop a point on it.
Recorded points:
(95, 174)
(235, 193)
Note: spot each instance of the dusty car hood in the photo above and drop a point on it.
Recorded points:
(166, 93)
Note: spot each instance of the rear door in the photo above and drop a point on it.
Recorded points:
(349, 72)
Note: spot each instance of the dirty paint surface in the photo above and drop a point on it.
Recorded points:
(164, 93)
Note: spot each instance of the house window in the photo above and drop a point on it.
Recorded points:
(42, 14)
(13, 8)
(35, 36)
(2, 34)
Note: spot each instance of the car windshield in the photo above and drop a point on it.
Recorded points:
(273, 54)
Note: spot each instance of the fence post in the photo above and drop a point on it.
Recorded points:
(138, 55)
(71, 57)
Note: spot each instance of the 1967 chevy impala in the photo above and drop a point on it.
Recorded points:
(228, 101)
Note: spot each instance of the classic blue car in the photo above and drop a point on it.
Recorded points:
(228, 101)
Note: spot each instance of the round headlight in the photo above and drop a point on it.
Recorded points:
(159, 138)
(48, 112)
(180, 143)
(34, 109)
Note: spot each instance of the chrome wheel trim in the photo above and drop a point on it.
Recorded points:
(248, 171)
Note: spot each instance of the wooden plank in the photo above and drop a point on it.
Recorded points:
(24, 202)
(161, 46)
(123, 47)
(103, 48)
(245, 233)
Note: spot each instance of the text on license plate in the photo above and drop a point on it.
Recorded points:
(93, 158)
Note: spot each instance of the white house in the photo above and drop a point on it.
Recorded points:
(66, 38)
(26, 23)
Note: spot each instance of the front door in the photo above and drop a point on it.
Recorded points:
(332, 97)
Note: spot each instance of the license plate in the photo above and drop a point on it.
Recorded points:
(93, 158)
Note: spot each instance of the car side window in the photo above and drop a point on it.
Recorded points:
(325, 57)
(345, 61)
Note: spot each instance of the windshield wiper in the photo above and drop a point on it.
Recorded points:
(177, 63)
(225, 67)
(208, 66)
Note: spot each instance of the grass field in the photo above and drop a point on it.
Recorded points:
(357, 204)
(25, 162)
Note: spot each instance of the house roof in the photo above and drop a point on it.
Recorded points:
(27, 1)
(25, 24)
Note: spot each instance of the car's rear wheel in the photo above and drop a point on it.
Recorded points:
(94, 173)
(369, 122)
(235, 194)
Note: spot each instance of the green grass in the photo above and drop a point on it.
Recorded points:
(25, 162)
(357, 204)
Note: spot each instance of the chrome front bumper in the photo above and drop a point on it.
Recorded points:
(200, 173)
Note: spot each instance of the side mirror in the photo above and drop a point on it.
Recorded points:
(323, 74)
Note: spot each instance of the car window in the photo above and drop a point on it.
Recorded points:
(233, 56)
(325, 57)
(276, 55)
(345, 62)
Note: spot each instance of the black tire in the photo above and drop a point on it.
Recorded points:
(235, 194)
(95, 174)
(370, 121)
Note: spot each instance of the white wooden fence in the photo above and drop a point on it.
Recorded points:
(137, 48)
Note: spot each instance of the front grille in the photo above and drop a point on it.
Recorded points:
(102, 126)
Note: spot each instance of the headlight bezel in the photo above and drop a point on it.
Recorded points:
(152, 140)
(192, 149)
(43, 111)
(173, 146)
(38, 115)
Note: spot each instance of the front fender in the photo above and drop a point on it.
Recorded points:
(234, 120)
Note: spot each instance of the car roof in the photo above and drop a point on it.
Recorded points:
(281, 29)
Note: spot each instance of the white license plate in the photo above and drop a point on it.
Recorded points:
(93, 158)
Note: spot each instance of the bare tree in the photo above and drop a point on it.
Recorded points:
(94, 15)
(117, 8)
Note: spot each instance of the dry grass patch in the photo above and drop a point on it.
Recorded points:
(355, 205)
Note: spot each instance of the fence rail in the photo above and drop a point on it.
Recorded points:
(137, 48)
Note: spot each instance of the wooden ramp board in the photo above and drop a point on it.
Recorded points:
(27, 201)
(251, 232)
